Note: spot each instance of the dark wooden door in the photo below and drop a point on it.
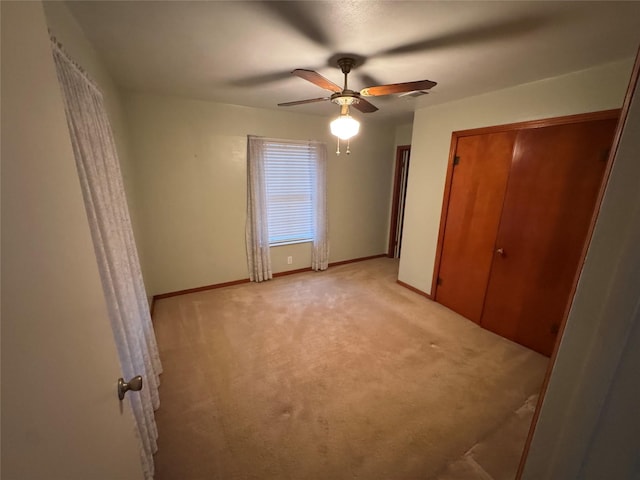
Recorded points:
(553, 185)
(477, 192)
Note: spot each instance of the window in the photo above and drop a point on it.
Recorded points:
(290, 181)
(286, 201)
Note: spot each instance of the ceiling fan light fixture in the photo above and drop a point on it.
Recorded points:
(344, 127)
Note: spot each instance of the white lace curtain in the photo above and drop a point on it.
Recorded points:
(257, 228)
(105, 202)
(320, 251)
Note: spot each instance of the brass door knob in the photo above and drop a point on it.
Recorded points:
(134, 384)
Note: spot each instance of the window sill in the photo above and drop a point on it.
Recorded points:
(292, 242)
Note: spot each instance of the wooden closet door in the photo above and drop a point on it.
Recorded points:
(553, 186)
(475, 201)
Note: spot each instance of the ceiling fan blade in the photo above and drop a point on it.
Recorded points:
(397, 88)
(317, 79)
(366, 79)
(301, 102)
(304, 17)
(500, 30)
(364, 106)
(261, 79)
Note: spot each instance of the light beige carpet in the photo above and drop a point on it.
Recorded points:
(335, 375)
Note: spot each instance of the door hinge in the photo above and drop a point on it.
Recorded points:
(456, 160)
(438, 281)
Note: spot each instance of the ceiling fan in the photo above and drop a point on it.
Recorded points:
(345, 97)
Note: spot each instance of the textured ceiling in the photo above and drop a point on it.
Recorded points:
(243, 52)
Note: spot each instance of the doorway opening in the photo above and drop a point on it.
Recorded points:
(403, 154)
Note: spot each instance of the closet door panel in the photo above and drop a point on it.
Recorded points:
(553, 186)
(477, 192)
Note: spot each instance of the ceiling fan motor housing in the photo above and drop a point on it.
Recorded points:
(346, 64)
(346, 97)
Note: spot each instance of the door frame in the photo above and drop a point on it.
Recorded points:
(395, 206)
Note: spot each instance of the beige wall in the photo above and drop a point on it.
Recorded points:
(402, 137)
(61, 418)
(191, 184)
(590, 90)
(65, 28)
(403, 134)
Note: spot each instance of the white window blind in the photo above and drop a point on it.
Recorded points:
(290, 174)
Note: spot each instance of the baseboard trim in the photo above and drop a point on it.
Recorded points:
(291, 272)
(246, 280)
(332, 264)
(199, 289)
(353, 260)
(414, 289)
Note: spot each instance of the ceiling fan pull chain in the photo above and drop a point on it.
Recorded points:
(348, 150)
(338, 149)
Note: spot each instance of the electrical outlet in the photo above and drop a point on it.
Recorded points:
(289, 260)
